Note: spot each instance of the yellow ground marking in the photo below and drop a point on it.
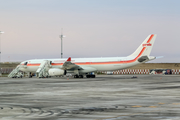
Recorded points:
(137, 106)
(161, 103)
(153, 106)
(176, 103)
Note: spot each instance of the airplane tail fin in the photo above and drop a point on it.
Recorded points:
(145, 48)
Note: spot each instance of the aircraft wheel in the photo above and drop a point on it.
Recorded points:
(81, 76)
(76, 76)
(93, 76)
(88, 76)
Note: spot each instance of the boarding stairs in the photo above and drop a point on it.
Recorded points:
(16, 72)
(42, 71)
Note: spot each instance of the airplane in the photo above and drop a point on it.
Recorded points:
(80, 67)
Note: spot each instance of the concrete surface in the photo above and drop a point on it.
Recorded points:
(107, 97)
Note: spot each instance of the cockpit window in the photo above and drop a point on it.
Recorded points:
(25, 63)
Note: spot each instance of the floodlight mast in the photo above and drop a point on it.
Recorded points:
(1, 32)
(61, 36)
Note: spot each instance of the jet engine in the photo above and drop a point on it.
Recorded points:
(56, 72)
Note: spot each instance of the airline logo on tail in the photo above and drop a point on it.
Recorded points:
(148, 44)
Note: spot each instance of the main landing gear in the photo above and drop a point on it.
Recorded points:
(78, 76)
(90, 76)
(81, 76)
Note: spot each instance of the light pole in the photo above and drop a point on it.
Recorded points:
(1, 32)
(62, 36)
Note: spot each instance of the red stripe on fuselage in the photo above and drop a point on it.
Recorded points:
(97, 63)
(30, 64)
(37, 64)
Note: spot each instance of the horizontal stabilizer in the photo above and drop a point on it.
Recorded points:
(159, 57)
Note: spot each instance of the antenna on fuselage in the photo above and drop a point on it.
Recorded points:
(62, 36)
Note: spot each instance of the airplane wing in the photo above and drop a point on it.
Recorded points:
(68, 65)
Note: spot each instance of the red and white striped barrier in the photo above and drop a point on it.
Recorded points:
(175, 71)
(129, 71)
(138, 71)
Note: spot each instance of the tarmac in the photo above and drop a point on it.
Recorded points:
(106, 97)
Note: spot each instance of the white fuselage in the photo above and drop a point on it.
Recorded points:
(100, 64)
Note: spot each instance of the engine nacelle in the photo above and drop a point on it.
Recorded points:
(56, 72)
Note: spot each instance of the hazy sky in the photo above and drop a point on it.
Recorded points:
(93, 28)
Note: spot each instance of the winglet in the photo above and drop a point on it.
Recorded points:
(69, 59)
